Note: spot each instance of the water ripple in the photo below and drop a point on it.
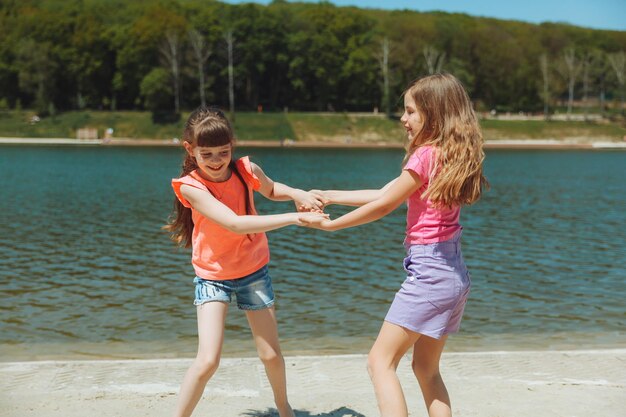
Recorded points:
(84, 259)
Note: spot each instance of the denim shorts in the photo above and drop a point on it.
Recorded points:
(432, 299)
(253, 292)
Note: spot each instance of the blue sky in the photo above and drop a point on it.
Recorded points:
(597, 14)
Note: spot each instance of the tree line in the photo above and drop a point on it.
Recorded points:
(168, 55)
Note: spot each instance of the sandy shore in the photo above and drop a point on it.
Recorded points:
(579, 143)
(490, 384)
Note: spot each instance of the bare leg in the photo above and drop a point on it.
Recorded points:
(426, 355)
(265, 332)
(391, 344)
(211, 319)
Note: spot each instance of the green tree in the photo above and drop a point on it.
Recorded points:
(318, 69)
(618, 63)
(156, 90)
(298, 55)
(36, 71)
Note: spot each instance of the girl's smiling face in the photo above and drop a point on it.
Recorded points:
(411, 118)
(212, 160)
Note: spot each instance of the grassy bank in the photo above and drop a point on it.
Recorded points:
(325, 127)
(541, 129)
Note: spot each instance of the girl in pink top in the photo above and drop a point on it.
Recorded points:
(442, 171)
(215, 215)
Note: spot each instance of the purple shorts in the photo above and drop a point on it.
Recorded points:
(433, 296)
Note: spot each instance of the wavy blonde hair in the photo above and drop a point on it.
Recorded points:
(451, 126)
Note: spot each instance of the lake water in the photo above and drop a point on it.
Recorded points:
(86, 271)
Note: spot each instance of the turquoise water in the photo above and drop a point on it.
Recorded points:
(85, 270)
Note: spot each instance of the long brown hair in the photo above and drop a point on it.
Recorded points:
(206, 126)
(451, 126)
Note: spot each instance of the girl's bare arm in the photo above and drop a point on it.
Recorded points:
(277, 191)
(398, 191)
(351, 197)
(213, 209)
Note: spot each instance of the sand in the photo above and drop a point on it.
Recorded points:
(489, 384)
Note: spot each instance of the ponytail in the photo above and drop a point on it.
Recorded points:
(180, 223)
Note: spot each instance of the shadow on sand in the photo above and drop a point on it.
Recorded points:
(340, 412)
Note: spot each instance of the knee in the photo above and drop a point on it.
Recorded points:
(271, 357)
(376, 364)
(370, 365)
(424, 371)
(206, 366)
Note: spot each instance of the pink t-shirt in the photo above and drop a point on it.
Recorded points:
(426, 223)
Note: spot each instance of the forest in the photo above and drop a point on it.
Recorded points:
(168, 56)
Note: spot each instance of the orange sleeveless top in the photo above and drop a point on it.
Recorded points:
(218, 253)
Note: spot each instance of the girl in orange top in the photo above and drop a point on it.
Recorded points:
(215, 215)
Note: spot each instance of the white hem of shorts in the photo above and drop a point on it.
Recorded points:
(246, 307)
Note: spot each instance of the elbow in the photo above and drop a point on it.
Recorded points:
(234, 226)
(271, 194)
(382, 211)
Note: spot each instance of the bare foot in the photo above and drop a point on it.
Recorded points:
(286, 411)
